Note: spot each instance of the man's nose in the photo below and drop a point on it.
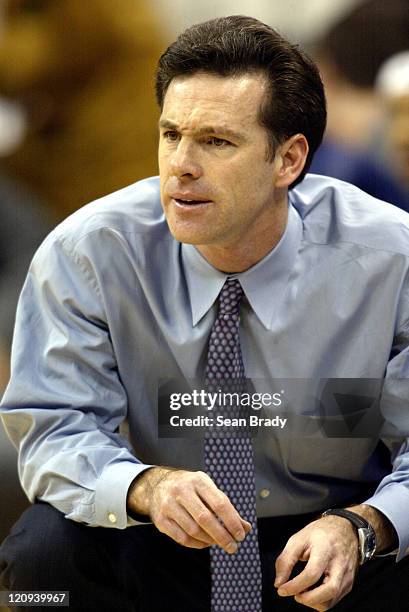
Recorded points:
(185, 162)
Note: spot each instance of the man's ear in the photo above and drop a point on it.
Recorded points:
(290, 160)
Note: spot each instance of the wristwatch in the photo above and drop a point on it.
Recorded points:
(365, 531)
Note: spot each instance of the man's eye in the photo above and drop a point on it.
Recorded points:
(171, 136)
(218, 142)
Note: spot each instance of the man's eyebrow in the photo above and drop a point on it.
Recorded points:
(165, 123)
(205, 129)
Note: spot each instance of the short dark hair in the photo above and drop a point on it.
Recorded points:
(229, 46)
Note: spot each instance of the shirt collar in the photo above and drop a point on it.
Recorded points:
(263, 284)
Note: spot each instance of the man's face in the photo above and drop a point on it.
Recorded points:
(217, 185)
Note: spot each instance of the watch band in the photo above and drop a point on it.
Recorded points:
(366, 533)
(356, 519)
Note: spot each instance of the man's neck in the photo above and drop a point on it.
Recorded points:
(242, 255)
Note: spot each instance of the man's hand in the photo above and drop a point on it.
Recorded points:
(330, 548)
(188, 507)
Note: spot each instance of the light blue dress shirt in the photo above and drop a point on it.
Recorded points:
(112, 303)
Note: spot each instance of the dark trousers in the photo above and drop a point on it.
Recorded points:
(141, 570)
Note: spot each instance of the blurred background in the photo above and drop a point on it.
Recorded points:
(78, 116)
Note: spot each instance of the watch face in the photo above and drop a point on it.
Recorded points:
(367, 544)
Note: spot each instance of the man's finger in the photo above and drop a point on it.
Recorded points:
(221, 506)
(336, 584)
(210, 524)
(190, 526)
(310, 575)
(285, 562)
(320, 596)
(174, 531)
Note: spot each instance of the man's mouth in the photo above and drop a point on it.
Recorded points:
(188, 202)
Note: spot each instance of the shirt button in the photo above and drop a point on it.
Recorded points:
(112, 517)
(264, 493)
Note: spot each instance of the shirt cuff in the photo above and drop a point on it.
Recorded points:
(111, 493)
(393, 501)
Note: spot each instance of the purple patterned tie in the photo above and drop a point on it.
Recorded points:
(235, 579)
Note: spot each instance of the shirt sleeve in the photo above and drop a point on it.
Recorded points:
(392, 495)
(65, 401)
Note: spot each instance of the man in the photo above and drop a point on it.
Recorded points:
(118, 297)
(392, 85)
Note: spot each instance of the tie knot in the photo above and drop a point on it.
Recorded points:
(230, 297)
